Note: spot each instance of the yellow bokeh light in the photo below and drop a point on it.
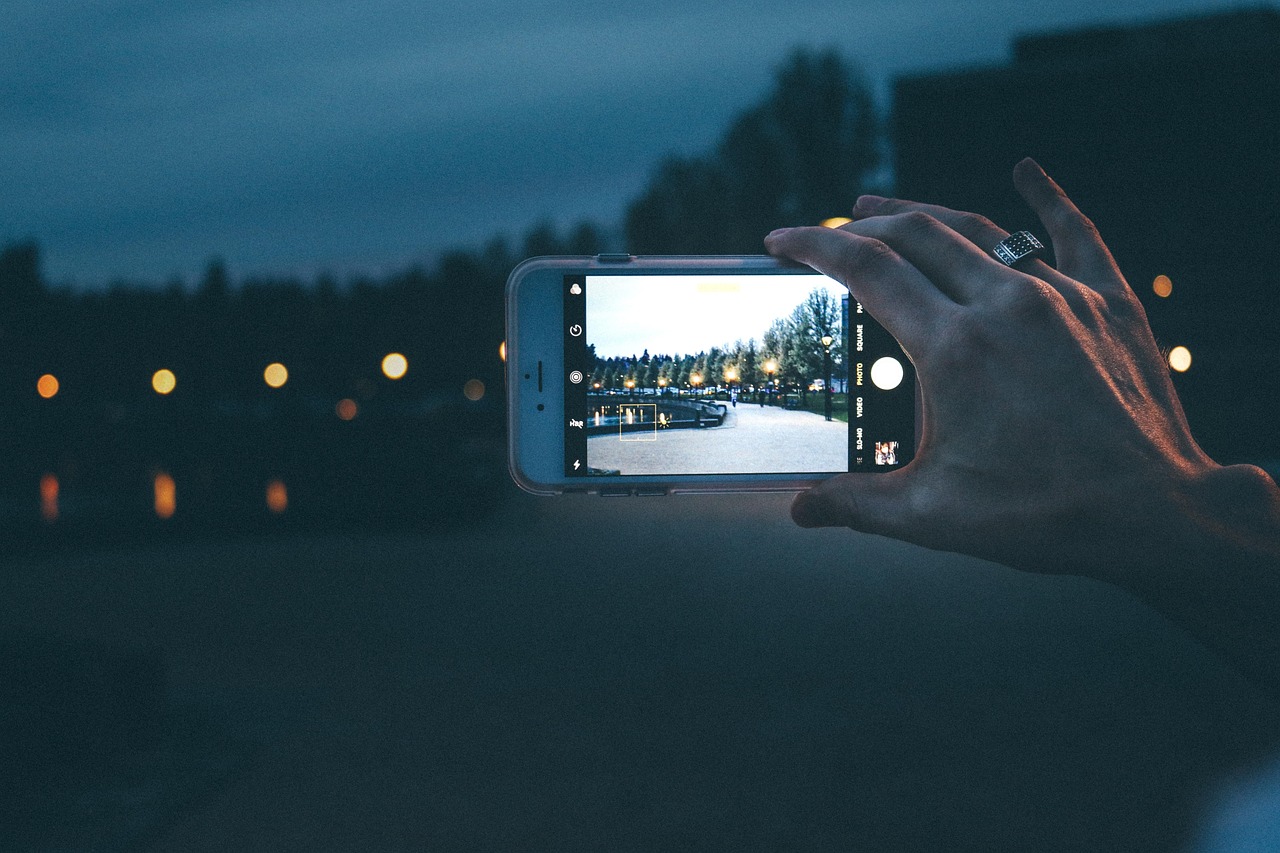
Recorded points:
(836, 221)
(346, 409)
(502, 350)
(47, 385)
(163, 381)
(166, 495)
(275, 374)
(277, 496)
(1162, 286)
(394, 365)
(1180, 359)
(473, 390)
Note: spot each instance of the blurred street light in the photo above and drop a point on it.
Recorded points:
(47, 386)
(275, 374)
(163, 381)
(394, 365)
(166, 495)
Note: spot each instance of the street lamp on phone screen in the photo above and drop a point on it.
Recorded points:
(827, 341)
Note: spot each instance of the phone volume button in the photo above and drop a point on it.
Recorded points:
(615, 258)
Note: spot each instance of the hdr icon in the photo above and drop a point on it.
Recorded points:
(573, 422)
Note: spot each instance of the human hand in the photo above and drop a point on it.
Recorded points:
(1052, 438)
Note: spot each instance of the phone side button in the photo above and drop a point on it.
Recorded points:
(614, 258)
(615, 493)
(651, 492)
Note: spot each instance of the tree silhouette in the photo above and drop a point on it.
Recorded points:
(798, 157)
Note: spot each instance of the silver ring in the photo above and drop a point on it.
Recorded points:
(1018, 246)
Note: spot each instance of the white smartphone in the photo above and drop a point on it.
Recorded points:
(654, 375)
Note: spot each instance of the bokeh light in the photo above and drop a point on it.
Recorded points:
(473, 390)
(502, 350)
(836, 221)
(47, 386)
(275, 374)
(394, 365)
(163, 381)
(166, 495)
(1162, 286)
(49, 498)
(277, 497)
(1180, 359)
(346, 409)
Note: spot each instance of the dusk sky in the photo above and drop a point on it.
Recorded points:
(141, 138)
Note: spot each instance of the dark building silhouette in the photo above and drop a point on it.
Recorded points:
(1168, 136)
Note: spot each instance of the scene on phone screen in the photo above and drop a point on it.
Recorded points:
(716, 374)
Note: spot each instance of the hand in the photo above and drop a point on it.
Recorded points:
(1052, 438)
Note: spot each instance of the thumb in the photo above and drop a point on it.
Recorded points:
(871, 503)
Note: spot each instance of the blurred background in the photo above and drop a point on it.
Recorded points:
(265, 576)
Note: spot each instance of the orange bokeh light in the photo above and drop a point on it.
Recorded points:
(166, 495)
(49, 498)
(1162, 286)
(47, 385)
(277, 496)
(346, 409)
(473, 390)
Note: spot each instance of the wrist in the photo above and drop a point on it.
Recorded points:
(1211, 563)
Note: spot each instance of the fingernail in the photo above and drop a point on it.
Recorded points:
(868, 203)
(1027, 161)
(777, 232)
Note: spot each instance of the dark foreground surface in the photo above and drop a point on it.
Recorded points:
(589, 674)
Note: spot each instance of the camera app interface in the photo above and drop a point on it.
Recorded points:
(729, 374)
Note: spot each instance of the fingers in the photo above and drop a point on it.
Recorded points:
(955, 265)
(894, 291)
(978, 230)
(868, 502)
(1079, 249)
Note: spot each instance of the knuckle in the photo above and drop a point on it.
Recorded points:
(864, 254)
(974, 223)
(916, 221)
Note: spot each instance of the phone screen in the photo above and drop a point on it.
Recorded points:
(727, 374)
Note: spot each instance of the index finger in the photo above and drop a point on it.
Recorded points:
(896, 293)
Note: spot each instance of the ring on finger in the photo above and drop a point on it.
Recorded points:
(1018, 246)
